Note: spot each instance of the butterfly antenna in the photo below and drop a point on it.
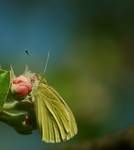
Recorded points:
(48, 56)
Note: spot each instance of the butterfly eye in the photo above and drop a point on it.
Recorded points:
(33, 78)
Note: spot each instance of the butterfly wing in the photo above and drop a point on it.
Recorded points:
(55, 120)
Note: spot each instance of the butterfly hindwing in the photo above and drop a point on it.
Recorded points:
(55, 120)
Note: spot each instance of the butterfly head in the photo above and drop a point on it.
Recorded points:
(41, 78)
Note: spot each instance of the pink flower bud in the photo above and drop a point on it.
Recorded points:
(22, 86)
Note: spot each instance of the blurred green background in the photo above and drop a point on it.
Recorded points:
(91, 44)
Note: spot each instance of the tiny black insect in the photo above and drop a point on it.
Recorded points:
(27, 52)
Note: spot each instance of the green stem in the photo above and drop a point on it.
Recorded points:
(15, 113)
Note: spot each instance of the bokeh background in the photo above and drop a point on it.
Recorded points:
(91, 44)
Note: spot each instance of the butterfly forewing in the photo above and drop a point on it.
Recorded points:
(55, 120)
(71, 116)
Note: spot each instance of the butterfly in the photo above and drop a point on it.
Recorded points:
(55, 120)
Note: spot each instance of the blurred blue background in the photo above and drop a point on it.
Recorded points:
(91, 60)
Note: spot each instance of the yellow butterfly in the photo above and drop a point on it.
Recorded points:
(55, 120)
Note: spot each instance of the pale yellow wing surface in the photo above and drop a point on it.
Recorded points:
(55, 120)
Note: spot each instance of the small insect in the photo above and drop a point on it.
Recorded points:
(55, 119)
(27, 52)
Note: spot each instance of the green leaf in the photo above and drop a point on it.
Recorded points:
(16, 120)
(15, 113)
(4, 86)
